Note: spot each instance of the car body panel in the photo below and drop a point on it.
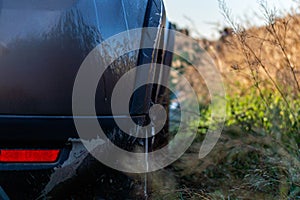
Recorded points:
(44, 49)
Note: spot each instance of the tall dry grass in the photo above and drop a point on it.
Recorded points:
(257, 156)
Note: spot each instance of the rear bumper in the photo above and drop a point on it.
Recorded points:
(49, 132)
(80, 176)
(52, 179)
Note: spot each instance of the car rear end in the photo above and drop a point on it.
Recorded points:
(42, 46)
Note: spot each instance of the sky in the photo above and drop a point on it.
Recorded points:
(205, 19)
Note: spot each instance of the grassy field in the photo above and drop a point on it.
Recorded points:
(257, 156)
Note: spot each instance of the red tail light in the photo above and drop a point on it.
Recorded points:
(28, 156)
